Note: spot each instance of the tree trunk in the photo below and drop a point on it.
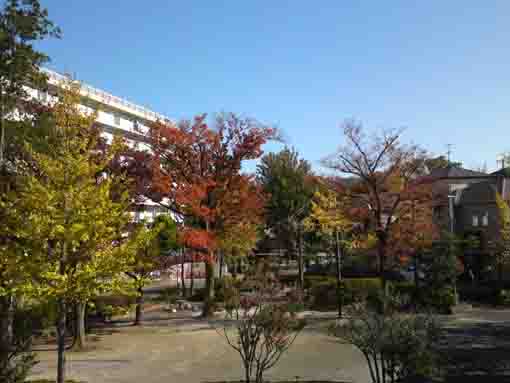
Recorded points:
(301, 277)
(221, 265)
(139, 308)
(192, 278)
(381, 251)
(209, 289)
(183, 280)
(61, 332)
(6, 320)
(259, 378)
(62, 306)
(247, 372)
(339, 292)
(81, 337)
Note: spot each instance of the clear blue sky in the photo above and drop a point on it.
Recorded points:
(439, 68)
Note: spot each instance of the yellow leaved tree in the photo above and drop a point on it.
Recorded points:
(68, 219)
(328, 218)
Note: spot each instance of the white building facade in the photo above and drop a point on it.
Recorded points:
(115, 115)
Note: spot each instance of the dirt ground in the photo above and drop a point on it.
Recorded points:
(180, 348)
(188, 350)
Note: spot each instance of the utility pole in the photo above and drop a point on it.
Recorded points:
(340, 294)
(451, 201)
(449, 153)
(300, 257)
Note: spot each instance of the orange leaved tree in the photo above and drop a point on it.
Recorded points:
(196, 173)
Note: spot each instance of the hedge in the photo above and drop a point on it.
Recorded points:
(323, 290)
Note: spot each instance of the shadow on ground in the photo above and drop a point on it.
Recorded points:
(476, 352)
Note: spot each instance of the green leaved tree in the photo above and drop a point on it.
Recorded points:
(69, 217)
(289, 182)
(156, 246)
(21, 24)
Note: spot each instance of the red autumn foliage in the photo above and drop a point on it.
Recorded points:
(194, 170)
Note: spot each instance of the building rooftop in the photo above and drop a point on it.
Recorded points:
(505, 172)
(455, 172)
(106, 98)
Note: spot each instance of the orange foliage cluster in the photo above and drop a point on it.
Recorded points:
(195, 171)
(415, 228)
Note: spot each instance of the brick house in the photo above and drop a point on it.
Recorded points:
(465, 202)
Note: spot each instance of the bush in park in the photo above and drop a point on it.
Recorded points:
(440, 278)
(258, 328)
(396, 347)
(322, 290)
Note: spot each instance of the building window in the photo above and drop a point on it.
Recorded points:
(475, 220)
(116, 119)
(485, 219)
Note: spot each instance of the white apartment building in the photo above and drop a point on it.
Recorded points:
(115, 115)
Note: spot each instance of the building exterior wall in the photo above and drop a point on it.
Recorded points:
(115, 115)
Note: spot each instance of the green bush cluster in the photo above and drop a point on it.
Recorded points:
(108, 306)
(323, 290)
(168, 295)
(430, 296)
(223, 288)
(198, 295)
(397, 348)
(503, 297)
(487, 294)
(440, 299)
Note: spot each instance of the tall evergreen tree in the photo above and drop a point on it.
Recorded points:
(289, 181)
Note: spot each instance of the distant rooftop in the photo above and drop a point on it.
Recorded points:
(502, 172)
(455, 172)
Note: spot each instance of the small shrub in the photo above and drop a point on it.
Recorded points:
(441, 274)
(396, 347)
(409, 295)
(294, 308)
(108, 306)
(323, 291)
(441, 299)
(170, 295)
(261, 330)
(198, 295)
(312, 281)
(358, 289)
(503, 298)
(479, 294)
(223, 287)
